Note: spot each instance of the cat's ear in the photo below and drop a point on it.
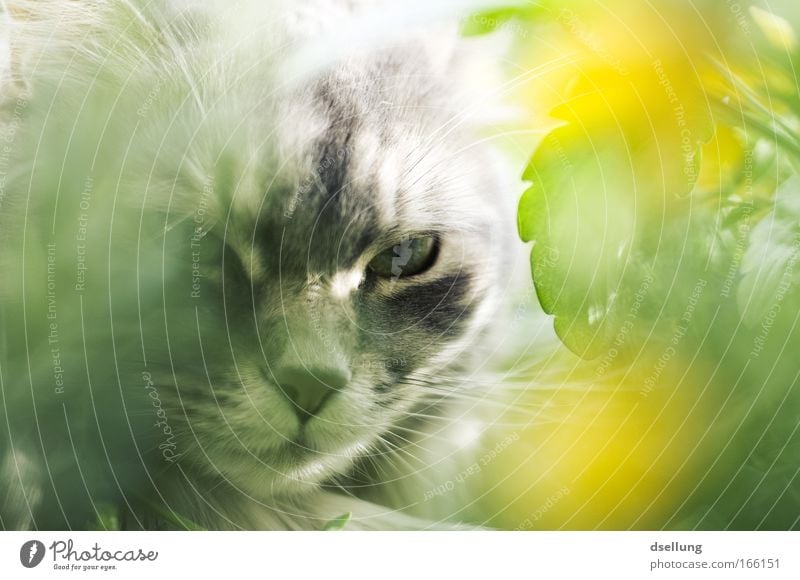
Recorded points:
(359, 27)
(27, 27)
(9, 74)
(476, 66)
(31, 32)
(50, 39)
(441, 44)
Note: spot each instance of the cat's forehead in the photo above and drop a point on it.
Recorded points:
(354, 169)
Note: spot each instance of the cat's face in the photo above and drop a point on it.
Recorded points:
(363, 258)
(276, 278)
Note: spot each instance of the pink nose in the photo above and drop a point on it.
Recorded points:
(309, 388)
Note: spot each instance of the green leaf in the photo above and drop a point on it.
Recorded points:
(487, 21)
(580, 215)
(770, 265)
(337, 523)
(604, 185)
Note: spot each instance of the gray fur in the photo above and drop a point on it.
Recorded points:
(227, 218)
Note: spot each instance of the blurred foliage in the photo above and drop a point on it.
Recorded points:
(664, 216)
(108, 518)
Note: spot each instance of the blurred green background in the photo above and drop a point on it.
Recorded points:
(664, 214)
(658, 146)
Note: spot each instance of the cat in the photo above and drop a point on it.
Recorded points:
(240, 291)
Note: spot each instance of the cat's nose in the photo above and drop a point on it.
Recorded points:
(308, 388)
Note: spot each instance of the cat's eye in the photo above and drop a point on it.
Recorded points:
(409, 257)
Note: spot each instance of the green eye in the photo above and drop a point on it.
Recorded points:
(410, 257)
